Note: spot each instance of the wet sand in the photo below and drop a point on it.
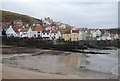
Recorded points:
(14, 68)
(18, 73)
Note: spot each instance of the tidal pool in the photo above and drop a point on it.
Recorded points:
(72, 63)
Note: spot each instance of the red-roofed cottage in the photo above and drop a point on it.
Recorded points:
(26, 32)
(37, 31)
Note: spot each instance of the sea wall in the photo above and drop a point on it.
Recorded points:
(59, 44)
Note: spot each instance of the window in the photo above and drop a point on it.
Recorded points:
(38, 35)
(38, 31)
(43, 33)
(35, 35)
(47, 33)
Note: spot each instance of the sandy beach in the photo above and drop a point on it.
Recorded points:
(17, 73)
(23, 66)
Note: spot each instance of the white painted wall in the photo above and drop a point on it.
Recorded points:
(11, 32)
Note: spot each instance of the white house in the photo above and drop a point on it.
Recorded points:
(80, 35)
(46, 35)
(37, 31)
(30, 33)
(98, 33)
(48, 21)
(26, 32)
(12, 32)
(51, 34)
(49, 28)
(23, 32)
(94, 34)
(55, 35)
(62, 26)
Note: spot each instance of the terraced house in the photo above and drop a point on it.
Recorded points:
(71, 35)
(37, 31)
(67, 36)
(74, 35)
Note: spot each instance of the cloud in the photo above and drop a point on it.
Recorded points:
(79, 14)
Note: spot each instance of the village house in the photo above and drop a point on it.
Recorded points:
(62, 26)
(46, 35)
(82, 35)
(47, 21)
(85, 34)
(51, 34)
(25, 32)
(89, 35)
(67, 36)
(50, 28)
(115, 36)
(12, 32)
(98, 33)
(105, 35)
(18, 22)
(37, 31)
(4, 25)
(71, 35)
(55, 34)
(18, 27)
(94, 34)
(75, 35)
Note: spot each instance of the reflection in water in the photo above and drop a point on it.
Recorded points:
(77, 61)
(70, 64)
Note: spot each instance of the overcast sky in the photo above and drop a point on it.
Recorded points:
(79, 14)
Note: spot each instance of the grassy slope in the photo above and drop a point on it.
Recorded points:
(10, 16)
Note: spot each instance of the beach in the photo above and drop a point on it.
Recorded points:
(52, 64)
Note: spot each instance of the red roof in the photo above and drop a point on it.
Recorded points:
(38, 28)
(75, 31)
(53, 31)
(23, 30)
(46, 31)
(4, 23)
(115, 34)
(18, 26)
(59, 29)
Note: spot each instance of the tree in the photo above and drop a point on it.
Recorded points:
(3, 33)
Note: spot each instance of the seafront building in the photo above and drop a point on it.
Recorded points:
(52, 30)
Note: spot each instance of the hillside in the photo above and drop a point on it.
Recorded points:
(10, 17)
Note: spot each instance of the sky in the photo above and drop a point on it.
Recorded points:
(79, 14)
